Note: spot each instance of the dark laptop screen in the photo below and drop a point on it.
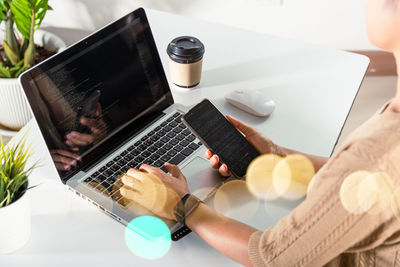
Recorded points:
(91, 97)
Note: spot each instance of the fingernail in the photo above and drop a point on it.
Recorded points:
(224, 168)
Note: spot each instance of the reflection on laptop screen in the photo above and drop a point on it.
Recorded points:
(98, 91)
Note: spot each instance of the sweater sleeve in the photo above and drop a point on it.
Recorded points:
(320, 228)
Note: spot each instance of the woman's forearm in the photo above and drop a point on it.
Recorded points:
(228, 236)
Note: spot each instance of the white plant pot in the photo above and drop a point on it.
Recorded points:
(14, 109)
(15, 224)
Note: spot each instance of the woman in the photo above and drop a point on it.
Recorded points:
(320, 231)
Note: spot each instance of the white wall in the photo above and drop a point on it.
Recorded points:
(334, 23)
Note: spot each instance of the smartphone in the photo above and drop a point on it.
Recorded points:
(214, 130)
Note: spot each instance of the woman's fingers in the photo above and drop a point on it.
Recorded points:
(244, 128)
(208, 154)
(224, 171)
(214, 161)
(173, 170)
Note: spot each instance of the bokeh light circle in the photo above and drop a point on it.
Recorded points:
(234, 200)
(349, 193)
(375, 193)
(292, 175)
(148, 237)
(259, 176)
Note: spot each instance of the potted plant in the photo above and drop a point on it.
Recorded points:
(19, 51)
(15, 226)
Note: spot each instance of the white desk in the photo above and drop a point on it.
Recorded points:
(313, 88)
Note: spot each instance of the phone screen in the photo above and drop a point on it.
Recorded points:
(220, 136)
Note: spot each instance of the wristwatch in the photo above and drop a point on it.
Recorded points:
(184, 207)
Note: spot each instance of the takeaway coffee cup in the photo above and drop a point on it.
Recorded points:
(185, 61)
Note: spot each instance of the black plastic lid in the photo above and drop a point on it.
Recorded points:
(185, 49)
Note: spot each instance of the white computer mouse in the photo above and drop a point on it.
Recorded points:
(251, 101)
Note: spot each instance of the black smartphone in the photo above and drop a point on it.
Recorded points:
(215, 131)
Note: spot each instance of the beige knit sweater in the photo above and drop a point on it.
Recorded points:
(320, 231)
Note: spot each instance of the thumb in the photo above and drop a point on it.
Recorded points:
(173, 169)
(242, 127)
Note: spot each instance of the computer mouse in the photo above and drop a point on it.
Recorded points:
(251, 101)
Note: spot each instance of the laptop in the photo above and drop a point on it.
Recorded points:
(104, 106)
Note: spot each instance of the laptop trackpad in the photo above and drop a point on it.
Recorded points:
(201, 177)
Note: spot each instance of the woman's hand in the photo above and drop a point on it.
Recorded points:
(155, 190)
(257, 140)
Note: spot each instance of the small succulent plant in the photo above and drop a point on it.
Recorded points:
(13, 171)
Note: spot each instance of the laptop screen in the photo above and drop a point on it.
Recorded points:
(94, 95)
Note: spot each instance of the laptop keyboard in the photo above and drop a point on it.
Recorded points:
(169, 142)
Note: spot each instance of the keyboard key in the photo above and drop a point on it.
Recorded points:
(135, 152)
(181, 125)
(178, 119)
(142, 147)
(173, 124)
(170, 119)
(123, 153)
(105, 184)
(138, 143)
(199, 143)
(131, 148)
(165, 158)
(171, 153)
(159, 144)
(176, 114)
(139, 159)
(151, 133)
(167, 146)
(184, 143)
(95, 174)
(148, 143)
(167, 128)
(115, 167)
(146, 154)
(194, 146)
(173, 142)
(107, 173)
(130, 157)
(148, 161)
(180, 137)
(144, 138)
(117, 158)
(190, 138)
(157, 128)
(178, 148)
(152, 149)
(126, 168)
(171, 134)
(87, 180)
(187, 151)
(153, 138)
(163, 124)
(154, 157)
(158, 163)
(109, 164)
(161, 151)
(177, 130)
(186, 132)
(102, 169)
(177, 159)
(165, 139)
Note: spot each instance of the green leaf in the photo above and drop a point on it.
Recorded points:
(14, 58)
(4, 71)
(28, 13)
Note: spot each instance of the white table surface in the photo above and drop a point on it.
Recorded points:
(313, 89)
